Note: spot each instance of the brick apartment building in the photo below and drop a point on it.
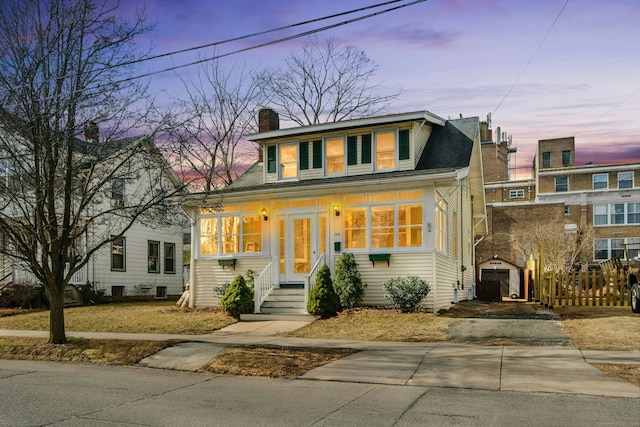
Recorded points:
(604, 196)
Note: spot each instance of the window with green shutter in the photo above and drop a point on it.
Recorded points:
(352, 150)
(366, 149)
(271, 159)
(304, 155)
(403, 148)
(317, 154)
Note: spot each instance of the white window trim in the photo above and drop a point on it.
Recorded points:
(279, 164)
(326, 154)
(555, 184)
(220, 253)
(632, 179)
(593, 181)
(610, 211)
(374, 149)
(516, 194)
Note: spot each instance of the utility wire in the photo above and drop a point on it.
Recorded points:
(190, 49)
(532, 56)
(608, 111)
(269, 43)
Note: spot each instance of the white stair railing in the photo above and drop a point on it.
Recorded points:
(6, 277)
(308, 279)
(262, 287)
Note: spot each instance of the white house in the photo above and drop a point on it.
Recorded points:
(402, 192)
(147, 258)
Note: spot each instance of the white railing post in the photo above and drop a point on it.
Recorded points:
(262, 286)
(308, 279)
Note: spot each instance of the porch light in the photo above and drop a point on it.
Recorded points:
(336, 210)
(264, 214)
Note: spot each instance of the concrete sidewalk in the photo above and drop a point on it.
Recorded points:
(526, 369)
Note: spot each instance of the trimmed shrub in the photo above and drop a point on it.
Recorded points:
(237, 298)
(323, 300)
(347, 281)
(406, 293)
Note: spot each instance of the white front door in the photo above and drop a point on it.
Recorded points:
(301, 242)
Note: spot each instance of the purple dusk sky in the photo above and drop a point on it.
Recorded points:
(452, 57)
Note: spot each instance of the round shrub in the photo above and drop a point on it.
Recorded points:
(406, 293)
(237, 298)
(347, 281)
(323, 300)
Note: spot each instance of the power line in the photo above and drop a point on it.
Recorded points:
(190, 49)
(532, 56)
(609, 111)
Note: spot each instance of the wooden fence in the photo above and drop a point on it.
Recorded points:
(606, 288)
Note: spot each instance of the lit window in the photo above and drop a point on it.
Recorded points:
(382, 227)
(562, 183)
(600, 181)
(625, 180)
(209, 236)
(410, 225)
(118, 254)
(169, 258)
(230, 235)
(385, 149)
(288, 158)
(153, 262)
(355, 228)
(252, 233)
(335, 156)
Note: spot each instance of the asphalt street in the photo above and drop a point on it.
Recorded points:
(62, 394)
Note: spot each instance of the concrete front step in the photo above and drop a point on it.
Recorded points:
(285, 301)
(264, 317)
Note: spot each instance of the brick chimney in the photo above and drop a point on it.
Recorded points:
(267, 120)
(91, 132)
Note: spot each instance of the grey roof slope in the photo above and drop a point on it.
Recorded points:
(450, 146)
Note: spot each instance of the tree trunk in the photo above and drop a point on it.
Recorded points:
(56, 315)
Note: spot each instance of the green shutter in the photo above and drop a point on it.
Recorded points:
(352, 150)
(404, 144)
(317, 154)
(304, 155)
(366, 148)
(271, 159)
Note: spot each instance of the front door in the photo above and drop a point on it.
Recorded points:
(301, 238)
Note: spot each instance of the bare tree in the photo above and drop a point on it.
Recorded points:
(207, 133)
(325, 82)
(563, 248)
(63, 67)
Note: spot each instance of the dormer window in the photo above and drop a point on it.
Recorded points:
(288, 161)
(385, 150)
(335, 156)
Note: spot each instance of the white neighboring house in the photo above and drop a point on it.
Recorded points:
(147, 259)
(402, 192)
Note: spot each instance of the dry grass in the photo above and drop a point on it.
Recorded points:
(629, 373)
(140, 317)
(273, 361)
(378, 325)
(104, 352)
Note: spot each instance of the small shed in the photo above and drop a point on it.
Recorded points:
(499, 278)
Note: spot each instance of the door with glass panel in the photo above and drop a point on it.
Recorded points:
(302, 240)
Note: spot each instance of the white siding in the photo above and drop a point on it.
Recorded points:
(419, 136)
(208, 275)
(400, 265)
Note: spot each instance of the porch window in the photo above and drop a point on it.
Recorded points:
(252, 233)
(169, 258)
(335, 156)
(355, 228)
(230, 234)
(153, 252)
(410, 225)
(385, 150)
(209, 236)
(441, 224)
(382, 227)
(288, 159)
(118, 259)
